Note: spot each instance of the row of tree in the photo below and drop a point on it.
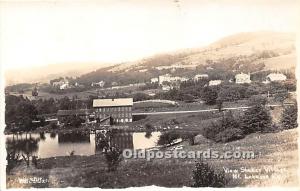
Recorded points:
(255, 119)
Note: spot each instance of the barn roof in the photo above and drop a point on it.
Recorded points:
(112, 102)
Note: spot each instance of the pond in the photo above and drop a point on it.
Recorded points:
(45, 145)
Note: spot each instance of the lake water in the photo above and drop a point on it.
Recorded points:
(46, 145)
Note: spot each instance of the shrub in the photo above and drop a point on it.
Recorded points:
(113, 158)
(53, 126)
(230, 134)
(209, 95)
(168, 137)
(212, 130)
(13, 159)
(257, 100)
(256, 119)
(205, 176)
(225, 130)
(289, 117)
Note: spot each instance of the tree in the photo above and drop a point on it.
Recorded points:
(231, 93)
(219, 104)
(289, 117)
(140, 97)
(168, 137)
(113, 158)
(65, 103)
(256, 119)
(258, 100)
(74, 121)
(25, 113)
(205, 176)
(209, 95)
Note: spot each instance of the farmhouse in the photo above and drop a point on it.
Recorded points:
(242, 78)
(99, 84)
(120, 110)
(154, 80)
(214, 82)
(62, 84)
(200, 77)
(170, 79)
(275, 77)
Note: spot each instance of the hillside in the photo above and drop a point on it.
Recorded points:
(243, 52)
(44, 74)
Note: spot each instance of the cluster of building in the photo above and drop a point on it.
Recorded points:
(115, 111)
(65, 84)
(62, 84)
(241, 78)
(177, 66)
(98, 84)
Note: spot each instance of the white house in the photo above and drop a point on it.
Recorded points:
(99, 84)
(154, 80)
(275, 77)
(62, 84)
(166, 88)
(200, 76)
(242, 78)
(169, 78)
(214, 82)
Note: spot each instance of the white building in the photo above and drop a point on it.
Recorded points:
(154, 80)
(169, 78)
(275, 77)
(242, 78)
(200, 76)
(214, 82)
(177, 66)
(98, 84)
(62, 84)
(166, 88)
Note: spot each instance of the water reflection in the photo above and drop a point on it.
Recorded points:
(121, 141)
(42, 136)
(52, 135)
(22, 144)
(45, 145)
(74, 137)
(25, 146)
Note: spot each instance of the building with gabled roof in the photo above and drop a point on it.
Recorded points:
(276, 77)
(120, 109)
(242, 78)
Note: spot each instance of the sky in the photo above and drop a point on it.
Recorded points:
(38, 33)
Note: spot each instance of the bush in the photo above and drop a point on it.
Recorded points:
(53, 126)
(256, 119)
(230, 134)
(209, 95)
(225, 130)
(168, 137)
(289, 117)
(113, 158)
(258, 100)
(13, 159)
(205, 176)
(211, 131)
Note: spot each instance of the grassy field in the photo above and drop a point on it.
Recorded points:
(272, 150)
